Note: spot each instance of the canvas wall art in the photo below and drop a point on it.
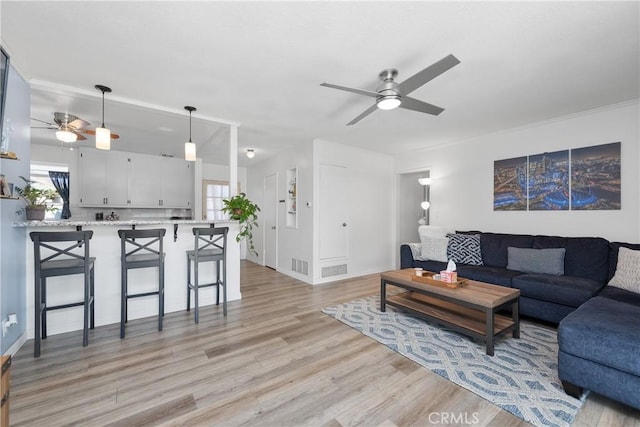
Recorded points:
(595, 177)
(586, 178)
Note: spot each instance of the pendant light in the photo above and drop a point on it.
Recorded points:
(103, 135)
(190, 147)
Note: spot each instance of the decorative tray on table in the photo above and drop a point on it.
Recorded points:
(426, 278)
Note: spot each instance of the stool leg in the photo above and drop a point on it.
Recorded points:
(87, 309)
(92, 300)
(43, 304)
(224, 287)
(37, 307)
(161, 293)
(217, 282)
(188, 283)
(196, 291)
(123, 298)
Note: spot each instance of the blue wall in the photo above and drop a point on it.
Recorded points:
(13, 240)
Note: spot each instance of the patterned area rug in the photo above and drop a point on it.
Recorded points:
(521, 378)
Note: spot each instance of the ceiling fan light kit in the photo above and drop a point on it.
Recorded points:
(66, 136)
(103, 135)
(390, 95)
(190, 147)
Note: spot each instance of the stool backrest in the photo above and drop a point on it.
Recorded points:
(210, 240)
(60, 246)
(141, 245)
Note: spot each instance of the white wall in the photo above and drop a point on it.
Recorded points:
(371, 228)
(292, 242)
(462, 176)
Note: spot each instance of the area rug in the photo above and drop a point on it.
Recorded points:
(520, 378)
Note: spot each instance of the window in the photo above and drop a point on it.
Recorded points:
(213, 192)
(40, 175)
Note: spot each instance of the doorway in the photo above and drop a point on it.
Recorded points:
(270, 215)
(411, 194)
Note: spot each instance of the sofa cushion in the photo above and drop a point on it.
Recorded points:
(494, 247)
(620, 295)
(613, 255)
(566, 290)
(545, 261)
(585, 256)
(628, 271)
(464, 248)
(604, 331)
(483, 273)
(434, 248)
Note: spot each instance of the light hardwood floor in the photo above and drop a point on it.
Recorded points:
(275, 360)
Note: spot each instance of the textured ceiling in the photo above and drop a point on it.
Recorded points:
(260, 64)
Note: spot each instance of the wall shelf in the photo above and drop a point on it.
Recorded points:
(292, 198)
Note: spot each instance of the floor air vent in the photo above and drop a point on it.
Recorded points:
(300, 266)
(334, 270)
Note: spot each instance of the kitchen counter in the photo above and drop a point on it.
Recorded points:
(105, 247)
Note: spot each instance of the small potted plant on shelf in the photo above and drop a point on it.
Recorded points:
(39, 200)
(246, 213)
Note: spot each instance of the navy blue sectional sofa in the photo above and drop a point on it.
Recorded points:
(598, 331)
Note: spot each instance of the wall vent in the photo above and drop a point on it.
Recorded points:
(300, 266)
(334, 270)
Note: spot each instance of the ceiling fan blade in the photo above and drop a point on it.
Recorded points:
(428, 74)
(42, 121)
(80, 136)
(93, 132)
(79, 124)
(44, 127)
(368, 111)
(350, 89)
(420, 106)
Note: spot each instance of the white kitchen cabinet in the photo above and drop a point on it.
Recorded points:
(145, 180)
(120, 179)
(177, 186)
(104, 178)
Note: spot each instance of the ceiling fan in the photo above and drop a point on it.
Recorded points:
(390, 95)
(69, 128)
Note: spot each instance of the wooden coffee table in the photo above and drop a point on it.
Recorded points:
(470, 309)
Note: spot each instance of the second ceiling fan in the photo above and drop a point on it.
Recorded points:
(390, 95)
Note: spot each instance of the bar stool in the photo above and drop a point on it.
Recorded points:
(60, 254)
(141, 249)
(210, 245)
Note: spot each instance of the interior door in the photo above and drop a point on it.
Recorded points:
(270, 214)
(334, 211)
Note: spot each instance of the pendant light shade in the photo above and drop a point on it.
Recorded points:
(190, 147)
(103, 135)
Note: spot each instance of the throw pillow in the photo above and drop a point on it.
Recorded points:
(435, 248)
(464, 249)
(627, 274)
(543, 261)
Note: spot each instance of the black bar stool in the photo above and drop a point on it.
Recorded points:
(210, 245)
(141, 249)
(61, 253)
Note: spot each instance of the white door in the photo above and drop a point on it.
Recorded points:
(270, 215)
(334, 211)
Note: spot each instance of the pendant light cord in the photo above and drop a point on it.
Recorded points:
(103, 108)
(189, 126)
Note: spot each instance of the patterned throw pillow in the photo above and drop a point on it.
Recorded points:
(464, 249)
(628, 270)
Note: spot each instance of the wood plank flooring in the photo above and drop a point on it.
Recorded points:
(275, 360)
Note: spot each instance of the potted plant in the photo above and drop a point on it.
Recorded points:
(39, 200)
(246, 213)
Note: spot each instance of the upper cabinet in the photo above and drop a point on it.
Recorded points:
(119, 179)
(104, 178)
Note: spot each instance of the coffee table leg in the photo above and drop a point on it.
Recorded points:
(383, 292)
(489, 332)
(515, 316)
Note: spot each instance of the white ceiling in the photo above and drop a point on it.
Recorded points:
(260, 64)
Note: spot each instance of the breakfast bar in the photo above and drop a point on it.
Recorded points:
(105, 247)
